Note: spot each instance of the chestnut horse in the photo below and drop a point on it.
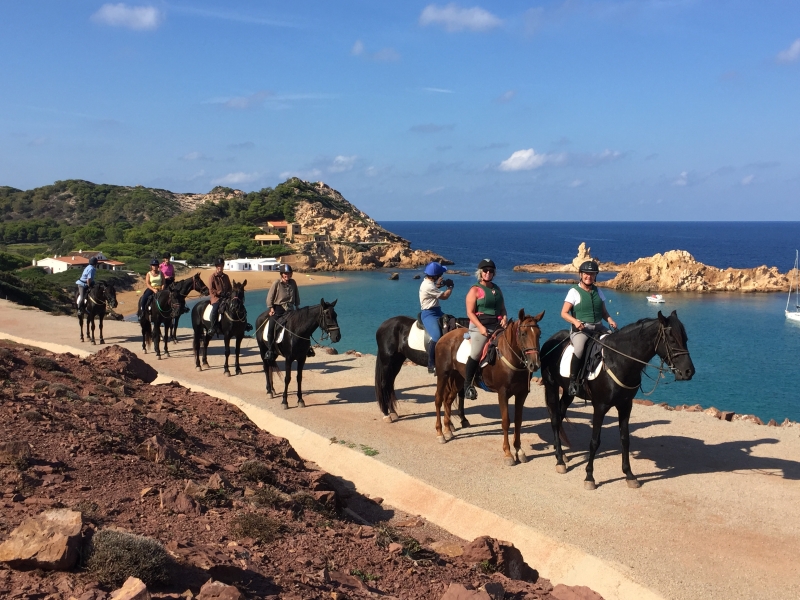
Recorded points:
(510, 375)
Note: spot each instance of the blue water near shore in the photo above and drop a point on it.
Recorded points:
(745, 353)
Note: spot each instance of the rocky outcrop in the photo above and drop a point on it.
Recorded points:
(584, 254)
(678, 271)
(47, 541)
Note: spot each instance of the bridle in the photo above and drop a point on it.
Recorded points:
(671, 352)
(232, 313)
(105, 302)
(529, 355)
(324, 326)
(173, 306)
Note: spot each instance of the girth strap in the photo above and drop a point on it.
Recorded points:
(618, 382)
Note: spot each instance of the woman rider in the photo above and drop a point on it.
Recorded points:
(486, 310)
(154, 280)
(86, 282)
(429, 296)
(584, 308)
(283, 296)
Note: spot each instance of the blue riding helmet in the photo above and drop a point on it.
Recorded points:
(434, 269)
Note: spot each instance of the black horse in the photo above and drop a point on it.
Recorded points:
(232, 324)
(160, 312)
(298, 326)
(182, 289)
(393, 351)
(625, 355)
(101, 298)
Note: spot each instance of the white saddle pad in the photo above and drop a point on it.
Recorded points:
(566, 361)
(463, 352)
(265, 334)
(417, 338)
(207, 313)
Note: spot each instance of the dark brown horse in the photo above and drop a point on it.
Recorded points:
(183, 288)
(625, 355)
(100, 299)
(510, 375)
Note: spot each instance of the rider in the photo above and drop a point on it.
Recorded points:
(283, 296)
(167, 268)
(584, 308)
(219, 286)
(86, 281)
(486, 310)
(429, 296)
(154, 280)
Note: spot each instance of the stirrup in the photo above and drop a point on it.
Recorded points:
(471, 393)
(573, 389)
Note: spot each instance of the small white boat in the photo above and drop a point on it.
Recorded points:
(656, 299)
(794, 314)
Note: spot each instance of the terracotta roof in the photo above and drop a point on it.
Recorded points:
(73, 260)
(277, 223)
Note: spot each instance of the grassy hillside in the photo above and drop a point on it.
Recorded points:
(132, 223)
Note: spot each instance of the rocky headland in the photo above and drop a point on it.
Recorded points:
(675, 271)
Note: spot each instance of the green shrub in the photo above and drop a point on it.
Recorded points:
(113, 556)
(254, 470)
(260, 527)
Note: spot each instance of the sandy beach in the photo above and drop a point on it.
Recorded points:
(256, 280)
(716, 516)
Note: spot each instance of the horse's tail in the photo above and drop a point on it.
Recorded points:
(387, 400)
(147, 332)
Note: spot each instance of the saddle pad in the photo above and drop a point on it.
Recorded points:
(207, 313)
(265, 334)
(566, 361)
(417, 339)
(463, 352)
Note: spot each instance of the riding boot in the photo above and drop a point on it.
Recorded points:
(432, 358)
(469, 374)
(574, 367)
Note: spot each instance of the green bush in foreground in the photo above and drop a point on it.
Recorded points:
(113, 556)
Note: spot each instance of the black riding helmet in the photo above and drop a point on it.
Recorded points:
(285, 269)
(93, 261)
(589, 266)
(220, 262)
(154, 262)
(487, 263)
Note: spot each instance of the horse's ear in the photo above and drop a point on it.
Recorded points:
(244, 283)
(322, 302)
(674, 314)
(332, 304)
(521, 314)
(539, 317)
(661, 318)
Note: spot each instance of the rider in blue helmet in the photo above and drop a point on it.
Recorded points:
(85, 282)
(430, 292)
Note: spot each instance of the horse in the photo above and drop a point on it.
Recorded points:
(296, 330)
(182, 289)
(509, 375)
(101, 297)
(161, 311)
(625, 355)
(393, 351)
(233, 323)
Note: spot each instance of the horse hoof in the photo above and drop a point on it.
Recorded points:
(301, 404)
(561, 469)
(440, 439)
(198, 369)
(284, 405)
(239, 371)
(522, 457)
(509, 461)
(465, 424)
(227, 373)
(633, 483)
(388, 419)
(589, 485)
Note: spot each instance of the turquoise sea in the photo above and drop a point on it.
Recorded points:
(745, 352)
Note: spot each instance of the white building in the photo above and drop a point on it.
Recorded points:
(59, 264)
(251, 264)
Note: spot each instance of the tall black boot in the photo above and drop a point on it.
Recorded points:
(574, 367)
(470, 369)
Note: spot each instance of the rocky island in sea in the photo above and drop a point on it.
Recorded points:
(674, 271)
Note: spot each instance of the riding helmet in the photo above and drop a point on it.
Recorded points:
(486, 263)
(154, 262)
(285, 269)
(589, 266)
(220, 262)
(93, 261)
(434, 269)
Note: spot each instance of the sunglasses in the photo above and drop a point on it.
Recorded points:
(488, 270)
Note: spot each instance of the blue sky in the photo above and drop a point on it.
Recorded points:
(549, 110)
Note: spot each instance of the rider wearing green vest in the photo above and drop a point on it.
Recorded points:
(584, 308)
(486, 310)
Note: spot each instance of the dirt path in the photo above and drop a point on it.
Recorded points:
(718, 507)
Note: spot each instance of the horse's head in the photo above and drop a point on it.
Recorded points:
(237, 296)
(528, 335)
(198, 285)
(327, 320)
(672, 346)
(110, 294)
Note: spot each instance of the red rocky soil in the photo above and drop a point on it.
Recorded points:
(177, 466)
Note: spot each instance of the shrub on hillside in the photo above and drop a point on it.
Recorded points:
(113, 556)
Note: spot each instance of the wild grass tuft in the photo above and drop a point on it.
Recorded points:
(113, 556)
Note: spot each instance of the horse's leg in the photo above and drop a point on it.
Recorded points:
(238, 369)
(519, 403)
(624, 413)
(461, 415)
(226, 370)
(80, 323)
(502, 400)
(386, 373)
(300, 364)
(441, 388)
(174, 329)
(206, 340)
(100, 316)
(91, 321)
(554, 408)
(597, 427)
(286, 379)
(157, 338)
(196, 349)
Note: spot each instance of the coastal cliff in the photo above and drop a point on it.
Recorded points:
(584, 254)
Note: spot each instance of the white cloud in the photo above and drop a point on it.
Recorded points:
(357, 49)
(527, 160)
(138, 18)
(382, 55)
(506, 96)
(342, 163)
(748, 179)
(194, 156)
(312, 175)
(791, 54)
(682, 180)
(576, 183)
(244, 102)
(438, 90)
(454, 18)
(237, 178)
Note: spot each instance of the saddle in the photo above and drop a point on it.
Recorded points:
(591, 366)
(447, 323)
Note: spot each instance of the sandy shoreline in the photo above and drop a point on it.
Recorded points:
(256, 280)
